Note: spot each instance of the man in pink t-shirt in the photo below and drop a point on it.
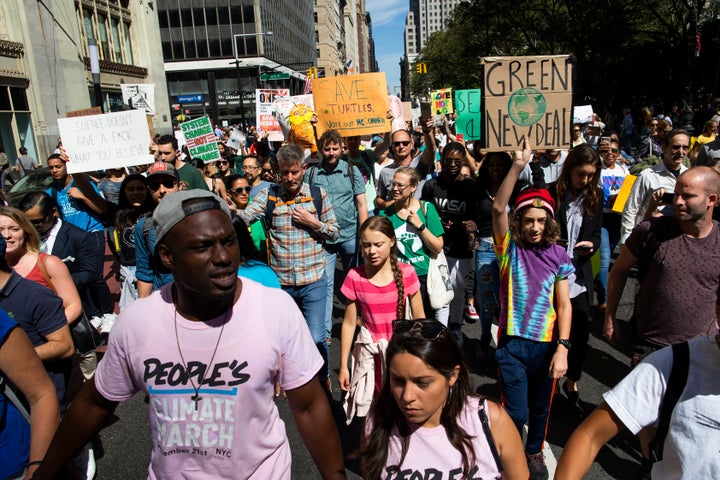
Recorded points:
(207, 350)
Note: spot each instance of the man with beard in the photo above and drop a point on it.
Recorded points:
(676, 145)
(251, 170)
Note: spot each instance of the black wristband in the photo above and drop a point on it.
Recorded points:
(421, 227)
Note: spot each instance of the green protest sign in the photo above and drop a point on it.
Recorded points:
(200, 139)
(469, 113)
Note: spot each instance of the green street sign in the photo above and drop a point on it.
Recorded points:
(274, 76)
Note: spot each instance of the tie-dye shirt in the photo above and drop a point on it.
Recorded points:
(527, 288)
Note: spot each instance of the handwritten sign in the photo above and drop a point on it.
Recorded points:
(110, 140)
(201, 140)
(469, 113)
(265, 120)
(582, 114)
(352, 104)
(527, 96)
(442, 101)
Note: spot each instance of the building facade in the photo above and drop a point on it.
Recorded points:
(45, 66)
(217, 52)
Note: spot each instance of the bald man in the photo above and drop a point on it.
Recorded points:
(679, 268)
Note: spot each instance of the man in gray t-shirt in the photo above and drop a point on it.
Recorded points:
(25, 163)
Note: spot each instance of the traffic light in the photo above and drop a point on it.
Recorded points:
(312, 72)
(421, 67)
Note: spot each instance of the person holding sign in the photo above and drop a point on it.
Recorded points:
(535, 315)
(167, 151)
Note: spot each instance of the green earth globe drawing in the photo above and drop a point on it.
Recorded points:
(526, 106)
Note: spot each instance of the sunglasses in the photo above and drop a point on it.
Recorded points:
(427, 329)
(265, 170)
(404, 143)
(223, 162)
(239, 190)
(37, 222)
(155, 185)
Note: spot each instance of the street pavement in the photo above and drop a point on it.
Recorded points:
(123, 449)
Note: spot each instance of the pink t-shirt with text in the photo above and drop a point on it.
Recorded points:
(378, 305)
(236, 431)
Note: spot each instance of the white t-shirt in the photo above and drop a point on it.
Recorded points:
(691, 446)
(236, 431)
(431, 455)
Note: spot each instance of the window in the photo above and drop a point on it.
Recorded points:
(116, 45)
(103, 38)
(128, 45)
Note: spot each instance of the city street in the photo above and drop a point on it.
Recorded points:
(126, 442)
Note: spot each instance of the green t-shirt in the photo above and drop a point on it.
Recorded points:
(411, 249)
(190, 177)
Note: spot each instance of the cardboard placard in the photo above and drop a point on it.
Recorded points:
(265, 120)
(582, 114)
(201, 140)
(352, 104)
(527, 96)
(407, 111)
(110, 140)
(84, 112)
(442, 101)
(469, 113)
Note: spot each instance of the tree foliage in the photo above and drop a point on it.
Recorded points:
(624, 49)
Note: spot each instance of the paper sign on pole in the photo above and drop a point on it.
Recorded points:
(110, 140)
(265, 120)
(139, 96)
(201, 140)
(352, 104)
(582, 114)
(469, 113)
(527, 96)
(442, 101)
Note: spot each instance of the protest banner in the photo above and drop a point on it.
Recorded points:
(396, 107)
(582, 114)
(265, 120)
(84, 112)
(237, 139)
(442, 101)
(469, 113)
(352, 104)
(139, 96)
(201, 140)
(110, 140)
(527, 96)
(294, 115)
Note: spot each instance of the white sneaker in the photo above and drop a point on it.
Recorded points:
(108, 320)
(96, 322)
(91, 466)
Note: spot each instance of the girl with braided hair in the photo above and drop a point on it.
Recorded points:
(380, 291)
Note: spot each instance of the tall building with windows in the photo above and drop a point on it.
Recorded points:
(217, 52)
(45, 66)
(424, 18)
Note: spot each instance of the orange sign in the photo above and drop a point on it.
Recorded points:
(352, 104)
(84, 112)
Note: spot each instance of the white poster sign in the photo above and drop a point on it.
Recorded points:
(110, 140)
(139, 96)
(582, 114)
(266, 121)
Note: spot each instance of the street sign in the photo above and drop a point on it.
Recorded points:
(274, 76)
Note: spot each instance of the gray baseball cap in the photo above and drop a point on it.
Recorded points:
(174, 207)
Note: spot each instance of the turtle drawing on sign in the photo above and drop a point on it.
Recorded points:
(526, 106)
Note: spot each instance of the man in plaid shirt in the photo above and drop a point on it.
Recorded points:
(296, 233)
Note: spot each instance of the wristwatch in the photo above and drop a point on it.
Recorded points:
(421, 228)
(565, 342)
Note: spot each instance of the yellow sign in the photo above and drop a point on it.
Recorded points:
(442, 101)
(352, 104)
(527, 97)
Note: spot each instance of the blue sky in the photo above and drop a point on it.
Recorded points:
(388, 23)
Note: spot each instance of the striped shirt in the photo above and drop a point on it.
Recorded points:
(296, 251)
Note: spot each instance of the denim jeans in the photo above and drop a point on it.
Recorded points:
(526, 386)
(348, 252)
(310, 299)
(487, 288)
(609, 238)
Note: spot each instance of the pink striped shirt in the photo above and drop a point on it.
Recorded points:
(378, 305)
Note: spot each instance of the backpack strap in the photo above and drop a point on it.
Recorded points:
(272, 200)
(488, 435)
(273, 192)
(147, 225)
(675, 387)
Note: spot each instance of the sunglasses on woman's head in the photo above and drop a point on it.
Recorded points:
(428, 329)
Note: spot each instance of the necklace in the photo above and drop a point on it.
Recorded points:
(196, 398)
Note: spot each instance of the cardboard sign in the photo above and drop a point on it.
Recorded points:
(201, 140)
(407, 111)
(469, 113)
(582, 114)
(352, 104)
(527, 96)
(110, 140)
(139, 96)
(442, 101)
(84, 112)
(265, 120)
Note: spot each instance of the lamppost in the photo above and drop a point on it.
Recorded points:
(241, 97)
(95, 70)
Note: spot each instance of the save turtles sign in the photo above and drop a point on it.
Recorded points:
(527, 96)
